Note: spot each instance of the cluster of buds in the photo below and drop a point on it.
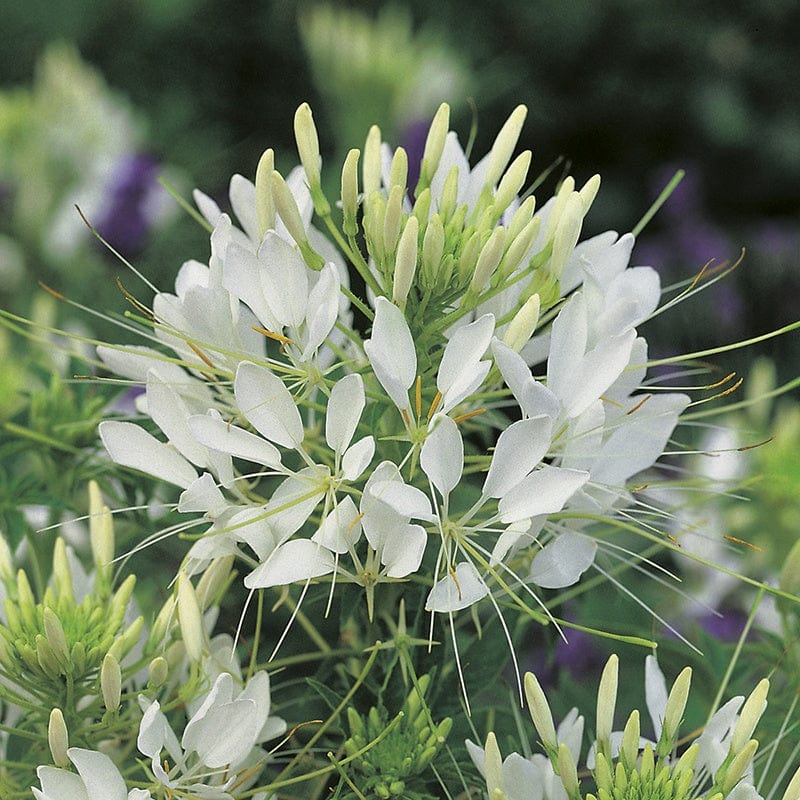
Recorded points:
(403, 747)
(460, 237)
(64, 639)
(640, 768)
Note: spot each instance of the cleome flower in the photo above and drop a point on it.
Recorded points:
(318, 450)
(623, 764)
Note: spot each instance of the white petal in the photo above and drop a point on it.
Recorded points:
(170, 413)
(132, 446)
(341, 529)
(515, 536)
(101, 777)
(344, 412)
(655, 690)
(357, 458)
(323, 308)
(563, 561)
(639, 439)
(268, 405)
(454, 593)
(459, 366)
(296, 560)
(568, 343)
(58, 784)
(208, 207)
(407, 501)
(403, 549)
(214, 432)
(203, 495)
(241, 276)
(242, 194)
(284, 280)
(240, 725)
(135, 361)
(295, 499)
(442, 454)
(522, 779)
(534, 398)
(543, 492)
(520, 447)
(391, 352)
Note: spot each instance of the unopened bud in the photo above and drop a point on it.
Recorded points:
(111, 682)
(398, 173)
(45, 658)
(504, 144)
(26, 601)
(265, 203)
(422, 207)
(540, 712)
(523, 324)
(162, 624)
(448, 199)
(629, 746)
(566, 236)
(512, 182)
(793, 789)
(673, 713)
(493, 766)
(568, 772)
(392, 220)
(488, 260)
(6, 562)
(738, 767)
(432, 249)
(305, 134)
(213, 580)
(58, 738)
(751, 713)
(371, 168)
(101, 532)
(350, 193)
(405, 264)
(434, 145)
(566, 188)
(287, 208)
(606, 702)
(127, 640)
(54, 631)
(588, 192)
(157, 672)
(522, 217)
(62, 573)
(190, 619)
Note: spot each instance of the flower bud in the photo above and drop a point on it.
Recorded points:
(392, 220)
(522, 218)
(371, 168)
(405, 264)
(606, 702)
(62, 573)
(350, 193)
(213, 580)
(58, 738)
(737, 767)
(588, 193)
(432, 250)
(127, 640)
(305, 134)
(54, 631)
(286, 207)
(504, 144)
(111, 682)
(488, 260)
(6, 562)
(793, 789)
(673, 713)
(566, 235)
(157, 670)
(190, 619)
(26, 603)
(434, 145)
(540, 712)
(751, 713)
(568, 772)
(422, 207)
(493, 766)
(512, 182)
(398, 173)
(162, 624)
(265, 203)
(101, 533)
(523, 324)
(629, 746)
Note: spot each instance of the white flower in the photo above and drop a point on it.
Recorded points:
(204, 750)
(97, 779)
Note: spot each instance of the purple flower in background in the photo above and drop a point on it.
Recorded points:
(130, 210)
(412, 140)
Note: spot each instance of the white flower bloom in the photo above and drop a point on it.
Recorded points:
(97, 779)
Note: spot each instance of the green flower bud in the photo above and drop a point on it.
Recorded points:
(606, 702)
(54, 631)
(371, 166)
(434, 145)
(405, 266)
(265, 203)
(540, 713)
(504, 144)
(350, 193)
(58, 738)
(751, 713)
(157, 671)
(111, 682)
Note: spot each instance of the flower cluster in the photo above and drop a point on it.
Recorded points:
(427, 447)
(623, 764)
